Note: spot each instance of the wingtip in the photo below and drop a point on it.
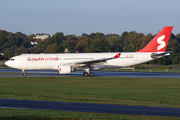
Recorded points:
(117, 55)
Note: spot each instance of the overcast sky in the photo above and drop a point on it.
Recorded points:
(88, 16)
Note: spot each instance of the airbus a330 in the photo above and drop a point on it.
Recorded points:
(65, 63)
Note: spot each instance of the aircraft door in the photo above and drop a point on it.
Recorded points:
(136, 57)
(21, 60)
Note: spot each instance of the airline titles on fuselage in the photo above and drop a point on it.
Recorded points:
(42, 59)
(32, 59)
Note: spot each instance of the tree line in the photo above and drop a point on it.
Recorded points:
(17, 43)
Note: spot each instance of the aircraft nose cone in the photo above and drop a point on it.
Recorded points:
(7, 63)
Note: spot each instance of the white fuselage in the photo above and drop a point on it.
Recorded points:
(52, 61)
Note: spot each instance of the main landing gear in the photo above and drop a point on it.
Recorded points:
(87, 73)
(91, 74)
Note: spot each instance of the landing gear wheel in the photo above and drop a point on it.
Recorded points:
(85, 74)
(24, 74)
(91, 74)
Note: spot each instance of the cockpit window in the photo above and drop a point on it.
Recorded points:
(11, 59)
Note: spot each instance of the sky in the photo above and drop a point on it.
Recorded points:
(89, 16)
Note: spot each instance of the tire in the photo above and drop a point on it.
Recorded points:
(85, 74)
(24, 74)
(91, 74)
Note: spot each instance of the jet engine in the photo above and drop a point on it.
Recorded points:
(65, 69)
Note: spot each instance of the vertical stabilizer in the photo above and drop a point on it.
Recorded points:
(159, 42)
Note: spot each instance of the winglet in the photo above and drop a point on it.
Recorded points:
(159, 42)
(117, 56)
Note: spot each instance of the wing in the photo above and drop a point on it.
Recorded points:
(89, 63)
(94, 62)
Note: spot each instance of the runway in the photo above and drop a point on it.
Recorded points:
(44, 73)
(87, 107)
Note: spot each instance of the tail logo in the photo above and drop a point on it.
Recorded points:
(161, 42)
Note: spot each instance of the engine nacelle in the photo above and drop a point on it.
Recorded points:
(65, 69)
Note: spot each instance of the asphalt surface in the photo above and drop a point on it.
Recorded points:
(96, 73)
(86, 107)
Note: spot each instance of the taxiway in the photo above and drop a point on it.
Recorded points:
(87, 107)
(41, 73)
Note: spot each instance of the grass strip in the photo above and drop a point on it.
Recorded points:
(160, 92)
(29, 114)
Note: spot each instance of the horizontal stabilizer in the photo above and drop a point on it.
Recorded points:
(156, 55)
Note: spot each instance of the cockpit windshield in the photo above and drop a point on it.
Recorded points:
(11, 59)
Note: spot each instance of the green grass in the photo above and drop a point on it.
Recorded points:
(5, 67)
(105, 90)
(28, 114)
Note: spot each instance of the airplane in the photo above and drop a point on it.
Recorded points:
(66, 63)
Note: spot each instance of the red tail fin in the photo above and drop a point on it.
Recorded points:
(159, 42)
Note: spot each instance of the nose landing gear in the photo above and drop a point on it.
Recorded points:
(24, 74)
